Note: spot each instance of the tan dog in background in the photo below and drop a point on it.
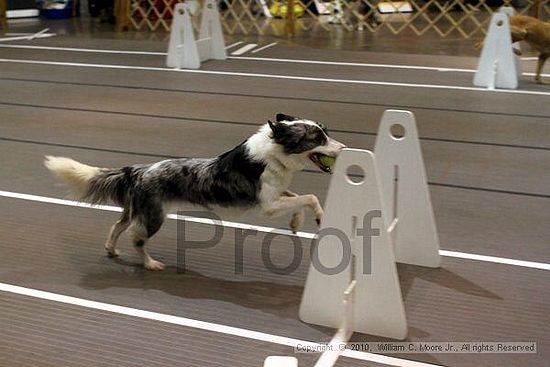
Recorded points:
(533, 31)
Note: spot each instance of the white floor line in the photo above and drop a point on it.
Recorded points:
(275, 76)
(263, 229)
(202, 325)
(267, 59)
(354, 64)
(233, 45)
(85, 50)
(244, 49)
(38, 34)
(27, 38)
(263, 48)
(24, 34)
(493, 259)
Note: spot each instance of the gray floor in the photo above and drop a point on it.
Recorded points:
(487, 157)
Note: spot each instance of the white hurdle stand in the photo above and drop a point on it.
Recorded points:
(366, 295)
(516, 48)
(498, 67)
(405, 195)
(186, 52)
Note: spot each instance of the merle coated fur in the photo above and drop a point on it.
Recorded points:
(237, 178)
(230, 179)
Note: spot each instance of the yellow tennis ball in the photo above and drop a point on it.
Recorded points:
(327, 161)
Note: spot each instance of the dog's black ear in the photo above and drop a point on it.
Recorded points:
(276, 127)
(282, 117)
(272, 125)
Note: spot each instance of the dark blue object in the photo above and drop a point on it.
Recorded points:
(64, 13)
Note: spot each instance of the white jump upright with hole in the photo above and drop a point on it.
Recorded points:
(353, 284)
(405, 194)
(184, 51)
(354, 220)
(498, 66)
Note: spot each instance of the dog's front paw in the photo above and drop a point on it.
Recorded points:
(154, 265)
(317, 208)
(319, 216)
(111, 251)
(297, 221)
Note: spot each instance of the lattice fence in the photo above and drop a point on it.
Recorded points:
(451, 17)
(464, 18)
(545, 11)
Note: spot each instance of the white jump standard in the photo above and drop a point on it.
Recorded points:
(353, 284)
(356, 211)
(184, 51)
(498, 66)
(405, 195)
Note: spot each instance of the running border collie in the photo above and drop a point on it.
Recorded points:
(256, 173)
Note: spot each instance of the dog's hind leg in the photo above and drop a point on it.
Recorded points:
(143, 226)
(540, 65)
(140, 238)
(116, 230)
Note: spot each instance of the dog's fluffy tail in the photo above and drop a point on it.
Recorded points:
(87, 183)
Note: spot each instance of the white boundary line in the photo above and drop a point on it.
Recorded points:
(38, 34)
(354, 64)
(202, 325)
(226, 47)
(27, 38)
(86, 50)
(244, 49)
(264, 229)
(267, 59)
(275, 76)
(23, 34)
(263, 48)
(493, 259)
(367, 65)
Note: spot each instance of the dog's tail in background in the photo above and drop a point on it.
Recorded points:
(92, 184)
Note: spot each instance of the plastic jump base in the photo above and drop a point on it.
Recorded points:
(385, 217)
(184, 51)
(498, 67)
